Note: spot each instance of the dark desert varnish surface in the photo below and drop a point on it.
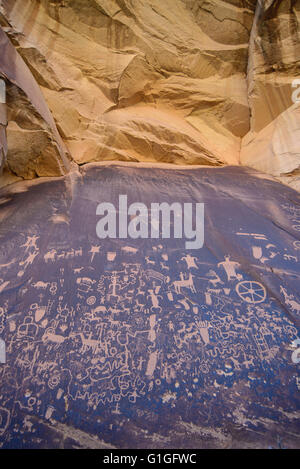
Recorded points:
(141, 343)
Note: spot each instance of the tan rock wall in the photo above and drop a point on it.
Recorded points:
(178, 81)
(273, 144)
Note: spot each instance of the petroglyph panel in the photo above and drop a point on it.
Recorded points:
(143, 343)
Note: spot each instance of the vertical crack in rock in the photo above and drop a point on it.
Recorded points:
(39, 142)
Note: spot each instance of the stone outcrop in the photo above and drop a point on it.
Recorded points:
(35, 146)
(272, 145)
(179, 81)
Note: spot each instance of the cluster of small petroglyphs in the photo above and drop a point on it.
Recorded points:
(93, 327)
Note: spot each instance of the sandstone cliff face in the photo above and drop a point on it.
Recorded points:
(179, 81)
(273, 143)
(35, 146)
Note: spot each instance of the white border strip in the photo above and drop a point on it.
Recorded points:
(2, 91)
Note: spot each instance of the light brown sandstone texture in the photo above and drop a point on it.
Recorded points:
(175, 81)
(273, 143)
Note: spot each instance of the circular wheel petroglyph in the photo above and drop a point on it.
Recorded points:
(251, 292)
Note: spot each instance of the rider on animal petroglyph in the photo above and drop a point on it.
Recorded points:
(189, 283)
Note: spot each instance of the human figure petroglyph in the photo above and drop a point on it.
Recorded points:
(29, 260)
(65, 312)
(30, 243)
(190, 261)
(114, 286)
(154, 299)
(230, 268)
